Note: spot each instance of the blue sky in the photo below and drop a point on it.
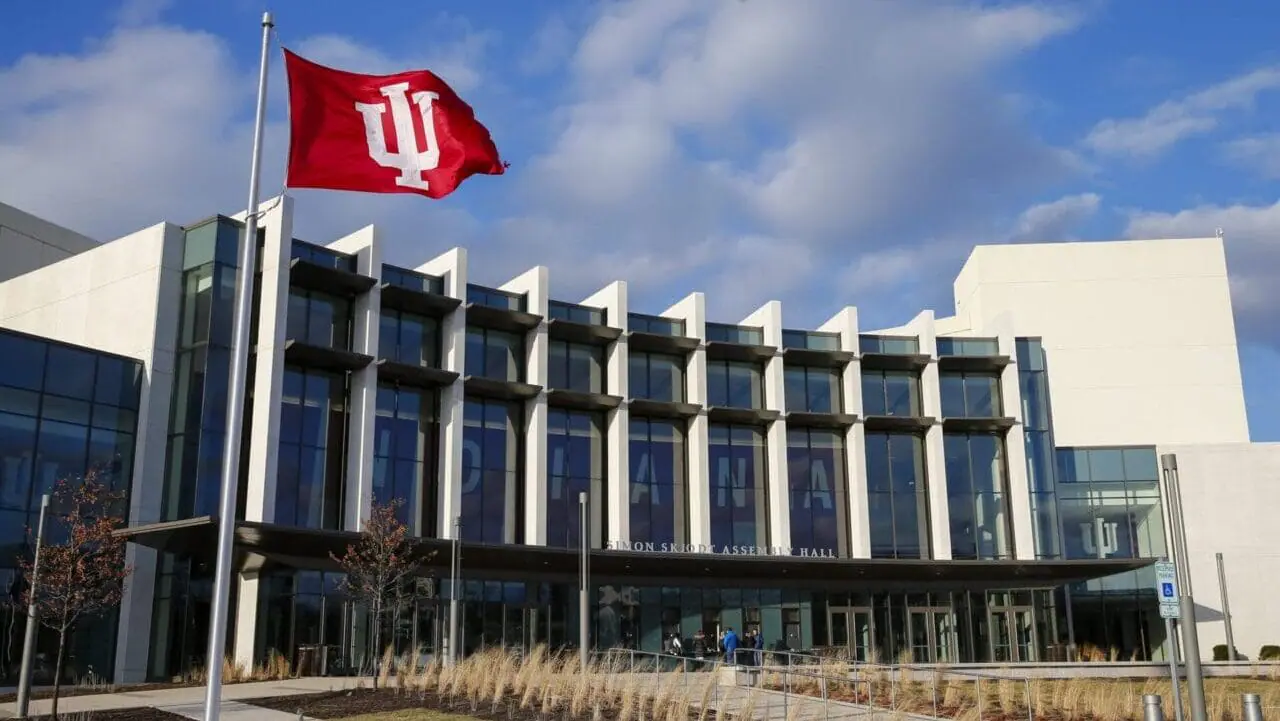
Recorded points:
(821, 152)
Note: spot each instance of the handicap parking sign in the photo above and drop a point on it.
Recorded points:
(1166, 590)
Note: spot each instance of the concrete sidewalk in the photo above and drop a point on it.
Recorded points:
(189, 701)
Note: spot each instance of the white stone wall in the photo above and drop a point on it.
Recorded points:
(1230, 495)
(1139, 335)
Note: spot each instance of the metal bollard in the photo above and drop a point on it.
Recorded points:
(1152, 710)
(1252, 707)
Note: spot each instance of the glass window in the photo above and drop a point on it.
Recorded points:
(739, 504)
(812, 390)
(1140, 464)
(404, 449)
(575, 464)
(733, 384)
(575, 367)
(495, 354)
(976, 483)
(897, 496)
(22, 361)
(71, 372)
(318, 319)
(970, 395)
(409, 338)
(656, 377)
(657, 488)
(492, 494)
(819, 492)
(17, 460)
(890, 393)
(312, 455)
(1106, 464)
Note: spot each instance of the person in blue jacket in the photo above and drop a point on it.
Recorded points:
(730, 645)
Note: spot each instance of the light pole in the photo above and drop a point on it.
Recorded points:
(584, 613)
(29, 641)
(1186, 600)
(455, 572)
(1226, 609)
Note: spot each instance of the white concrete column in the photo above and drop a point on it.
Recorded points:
(769, 318)
(617, 516)
(245, 628)
(362, 404)
(535, 283)
(452, 268)
(1022, 520)
(693, 311)
(268, 382)
(133, 637)
(934, 453)
(846, 324)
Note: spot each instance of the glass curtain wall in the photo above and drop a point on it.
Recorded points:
(970, 395)
(492, 491)
(657, 487)
(1037, 434)
(406, 432)
(319, 319)
(739, 499)
(812, 390)
(495, 354)
(977, 497)
(656, 377)
(890, 393)
(64, 411)
(313, 448)
(575, 463)
(898, 496)
(1110, 503)
(575, 367)
(202, 367)
(733, 384)
(409, 338)
(819, 492)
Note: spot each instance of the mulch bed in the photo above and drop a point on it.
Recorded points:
(356, 702)
(124, 714)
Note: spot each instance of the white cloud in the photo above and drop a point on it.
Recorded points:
(751, 149)
(1252, 238)
(1260, 153)
(1173, 121)
(1056, 219)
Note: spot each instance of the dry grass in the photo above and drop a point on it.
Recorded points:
(1005, 696)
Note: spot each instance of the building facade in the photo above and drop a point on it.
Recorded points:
(916, 492)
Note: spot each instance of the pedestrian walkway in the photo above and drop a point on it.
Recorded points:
(189, 701)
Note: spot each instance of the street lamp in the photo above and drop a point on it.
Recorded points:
(584, 612)
(29, 641)
(455, 572)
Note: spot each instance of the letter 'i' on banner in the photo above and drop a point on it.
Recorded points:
(339, 123)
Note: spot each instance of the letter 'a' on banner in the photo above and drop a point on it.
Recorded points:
(402, 133)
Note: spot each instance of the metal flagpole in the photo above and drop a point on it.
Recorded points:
(584, 613)
(235, 402)
(29, 641)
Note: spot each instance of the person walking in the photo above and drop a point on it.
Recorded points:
(700, 644)
(730, 645)
(759, 646)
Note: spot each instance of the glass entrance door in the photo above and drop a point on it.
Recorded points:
(1013, 634)
(931, 632)
(852, 631)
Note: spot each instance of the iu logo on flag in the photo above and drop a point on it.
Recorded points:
(340, 121)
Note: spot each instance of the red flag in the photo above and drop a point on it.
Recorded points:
(402, 133)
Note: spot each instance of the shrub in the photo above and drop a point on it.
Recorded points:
(1220, 653)
(1269, 653)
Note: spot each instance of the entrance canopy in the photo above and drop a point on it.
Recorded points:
(264, 545)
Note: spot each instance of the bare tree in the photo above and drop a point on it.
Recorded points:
(82, 575)
(378, 567)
